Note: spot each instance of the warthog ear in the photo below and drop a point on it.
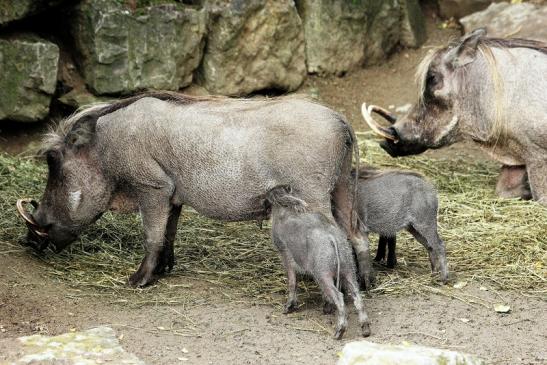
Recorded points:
(82, 132)
(466, 51)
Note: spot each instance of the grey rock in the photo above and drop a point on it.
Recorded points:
(79, 97)
(253, 45)
(459, 8)
(341, 35)
(335, 33)
(94, 346)
(28, 69)
(510, 20)
(413, 31)
(383, 29)
(121, 51)
(365, 352)
(11, 10)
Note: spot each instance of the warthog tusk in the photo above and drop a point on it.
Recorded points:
(374, 126)
(28, 219)
(383, 112)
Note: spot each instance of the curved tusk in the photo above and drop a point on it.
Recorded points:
(374, 126)
(28, 219)
(23, 213)
(383, 112)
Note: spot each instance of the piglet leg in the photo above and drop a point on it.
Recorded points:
(353, 290)
(292, 304)
(333, 295)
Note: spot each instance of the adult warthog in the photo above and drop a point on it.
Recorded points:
(159, 151)
(490, 91)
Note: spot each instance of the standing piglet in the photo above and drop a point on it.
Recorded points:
(392, 200)
(310, 243)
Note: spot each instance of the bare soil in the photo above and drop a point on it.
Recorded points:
(221, 328)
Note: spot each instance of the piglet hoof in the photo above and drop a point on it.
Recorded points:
(339, 333)
(290, 307)
(367, 281)
(365, 329)
(390, 264)
(328, 308)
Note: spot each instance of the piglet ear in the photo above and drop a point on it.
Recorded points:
(466, 51)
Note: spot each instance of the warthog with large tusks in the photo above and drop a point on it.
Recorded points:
(159, 151)
(490, 91)
(311, 244)
(410, 203)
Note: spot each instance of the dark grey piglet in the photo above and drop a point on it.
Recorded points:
(312, 244)
(392, 200)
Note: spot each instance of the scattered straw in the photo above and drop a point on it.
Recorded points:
(489, 240)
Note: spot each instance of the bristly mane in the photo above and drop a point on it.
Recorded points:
(58, 138)
(498, 130)
(423, 67)
(515, 43)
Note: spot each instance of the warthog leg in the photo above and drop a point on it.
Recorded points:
(167, 256)
(155, 209)
(292, 304)
(391, 255)
(381, 251)
(333, 295)
(428, 236)
(513, 183)
(537, 175)
(343, 197)
(353, 290)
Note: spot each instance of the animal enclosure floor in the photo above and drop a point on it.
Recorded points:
(211, 329)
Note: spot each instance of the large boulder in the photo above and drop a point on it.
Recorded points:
(335, 34)
(510, 20)
(413, 31)
(253, 45)
(121, 51)
(94, 346)
(383, 29)
(459, 8)
(369, 353)
(11, 10)
(341, 35)
(28, 69)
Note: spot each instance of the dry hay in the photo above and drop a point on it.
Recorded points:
(501, 243)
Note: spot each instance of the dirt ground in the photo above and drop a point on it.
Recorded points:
(238, 331)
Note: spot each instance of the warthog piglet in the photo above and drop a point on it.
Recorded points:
(392, 200)
(312, 244)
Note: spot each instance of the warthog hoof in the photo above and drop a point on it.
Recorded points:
(141, 279)
(165, 262)
(339, 333)
(290, 307)
(365, 329)
(391, 262)
(328, 308)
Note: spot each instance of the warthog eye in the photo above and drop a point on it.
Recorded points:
(433, 79)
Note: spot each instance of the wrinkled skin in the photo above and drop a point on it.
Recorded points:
(158, 152)
(391, 201)
(309, 243)
(503, 108)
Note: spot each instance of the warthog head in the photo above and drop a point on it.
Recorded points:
(77, 192)
(444, 102)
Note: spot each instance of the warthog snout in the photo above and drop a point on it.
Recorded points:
(37, 237)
